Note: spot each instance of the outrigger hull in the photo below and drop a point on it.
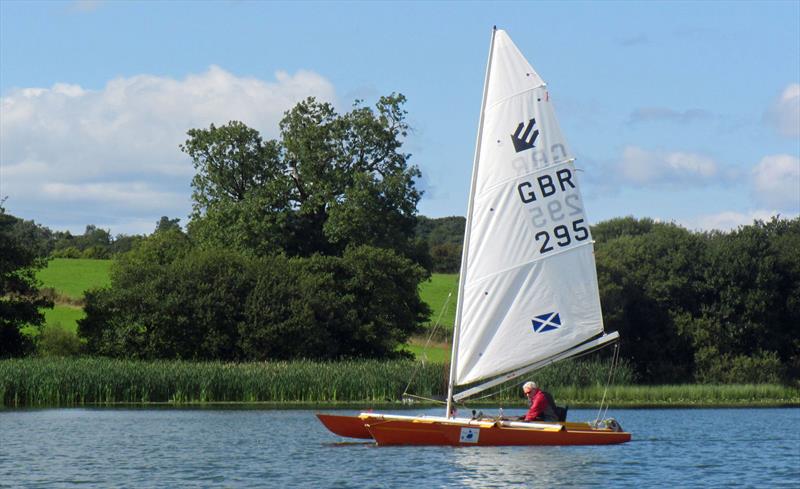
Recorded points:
(388, 429)
(347, 426)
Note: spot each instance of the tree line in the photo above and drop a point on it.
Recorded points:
(310, 246)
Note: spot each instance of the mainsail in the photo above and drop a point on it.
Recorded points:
(528, 287)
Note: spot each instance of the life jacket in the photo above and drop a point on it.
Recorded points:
(550, 413)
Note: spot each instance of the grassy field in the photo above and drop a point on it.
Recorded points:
(434, 292)
(66, 316)
(434, 353)
(71, 277)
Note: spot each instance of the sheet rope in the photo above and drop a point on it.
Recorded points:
(611, 371)
(425, 348)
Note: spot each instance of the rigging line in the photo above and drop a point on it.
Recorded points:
(614, 359)
(428, 342)
(438, 401)
(510, 385)
(614, 365)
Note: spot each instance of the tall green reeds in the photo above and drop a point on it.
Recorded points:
(77, 381)
(39, 382)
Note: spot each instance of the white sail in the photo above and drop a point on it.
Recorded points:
(529, 284)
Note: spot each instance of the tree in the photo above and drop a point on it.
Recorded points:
(622, 226)
(297, 248)
(651, 287)
(35, 237)
(171, 300)
(444, 237)
(19, 294)
(363, 304)
(753, 308)
(332, 181)
(166, 223)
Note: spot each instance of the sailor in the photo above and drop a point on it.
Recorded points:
(542, 409)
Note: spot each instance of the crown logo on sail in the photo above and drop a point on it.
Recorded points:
(527, 139)
(546, 322)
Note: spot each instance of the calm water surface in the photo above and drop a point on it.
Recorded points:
(259, 448)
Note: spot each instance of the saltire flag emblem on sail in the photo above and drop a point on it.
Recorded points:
(546, 322)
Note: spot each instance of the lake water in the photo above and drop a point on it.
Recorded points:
(289, 448)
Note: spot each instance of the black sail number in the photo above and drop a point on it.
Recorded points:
(581, 232)
(563, 236)
(544, 235)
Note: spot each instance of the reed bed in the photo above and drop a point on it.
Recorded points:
(53, 382)
(79, 381)
(684, 395)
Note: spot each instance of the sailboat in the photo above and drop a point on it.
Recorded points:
(528, 293)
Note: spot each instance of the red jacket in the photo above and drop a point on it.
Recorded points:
(540, 408)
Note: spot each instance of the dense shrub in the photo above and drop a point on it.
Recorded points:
(758, 368)
(171, 300)
(20, 302)
(68, 252)
(96, 252)
(55, 341)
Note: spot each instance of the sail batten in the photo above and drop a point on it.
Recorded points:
(477, 281)
(528, 285)
(528, 174)
(518, 94)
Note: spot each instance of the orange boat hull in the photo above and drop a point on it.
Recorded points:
(437, 433)
(410, 430)
(349, 426)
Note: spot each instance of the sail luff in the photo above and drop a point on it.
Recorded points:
(465, 249)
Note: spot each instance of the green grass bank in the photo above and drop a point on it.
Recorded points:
(61, 382)
(73, 276)
(70, 278)
(434, 292)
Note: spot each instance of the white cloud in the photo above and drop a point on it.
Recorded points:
(642, 167)
(128, 195)
(776, 181)
(784, 115)
(119, 144)
(730, 220)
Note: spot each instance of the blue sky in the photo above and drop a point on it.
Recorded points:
(680, 111)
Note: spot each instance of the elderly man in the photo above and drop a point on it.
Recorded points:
(541, 409)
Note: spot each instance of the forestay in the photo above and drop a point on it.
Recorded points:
(529, 290)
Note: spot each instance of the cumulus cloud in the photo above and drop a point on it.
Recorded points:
(642, 167)
(784, 115)
(776, 181)
(71, 145)
(663, 114)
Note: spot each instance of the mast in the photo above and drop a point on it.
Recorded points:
(465, 250)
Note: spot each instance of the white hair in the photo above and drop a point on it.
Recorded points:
(530, 384)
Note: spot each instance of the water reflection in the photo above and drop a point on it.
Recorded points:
(540, 466)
